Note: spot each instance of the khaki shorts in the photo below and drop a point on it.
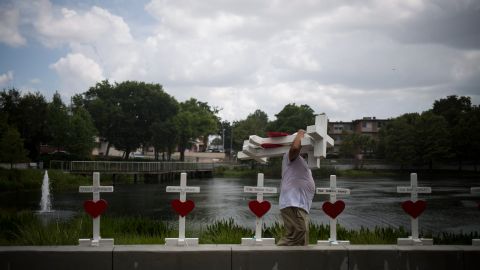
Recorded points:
(295, 221)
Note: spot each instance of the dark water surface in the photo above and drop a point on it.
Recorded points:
(372, 202)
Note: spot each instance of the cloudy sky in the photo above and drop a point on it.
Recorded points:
(346, 58)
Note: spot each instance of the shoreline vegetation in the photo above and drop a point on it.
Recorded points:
(31, 179)
(27, 228)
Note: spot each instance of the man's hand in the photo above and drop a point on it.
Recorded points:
(296, 145)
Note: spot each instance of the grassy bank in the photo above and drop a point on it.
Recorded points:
(25, 179)
(32, 179)
(25, 228)
(324, 172)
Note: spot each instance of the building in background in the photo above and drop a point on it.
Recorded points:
(369, 126)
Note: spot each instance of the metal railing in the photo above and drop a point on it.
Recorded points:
(138, 167)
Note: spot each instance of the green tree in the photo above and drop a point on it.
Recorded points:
(9, 103)
(356, 146)
(164, 138)
(81, 136)
(124, 112)
(292, 118)
(432, 142)
(398, 139)
(58, 122)
(99, 101)
(452, 108)
(31, 122)
(455, 110)
(3, 123)
(194, 119)
(12, 147)
(26, 114)
(473, 134)
(255, 123)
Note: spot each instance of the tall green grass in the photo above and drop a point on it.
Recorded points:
(224, 232)
(26, 228)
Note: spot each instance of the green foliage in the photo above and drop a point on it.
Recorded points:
(123, 113)
(19, 179)
(81, 135)
(58, 122)
(164, 137)
(194, 119)
(225, 232)
(354, 144)
(27, 228)
(452, 108)
(433, 138)
(255, 123)
(414, 139)
(32, 179)
(398, 139)
(463, 123)
(11, 146)
(292, 118)
(28, 114)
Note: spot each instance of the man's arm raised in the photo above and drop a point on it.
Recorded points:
(296, 145)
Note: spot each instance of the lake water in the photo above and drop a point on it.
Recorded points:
(373, 202)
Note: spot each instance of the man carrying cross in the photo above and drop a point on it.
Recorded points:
(296, 195)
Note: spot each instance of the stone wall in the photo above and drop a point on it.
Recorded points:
(354, 257)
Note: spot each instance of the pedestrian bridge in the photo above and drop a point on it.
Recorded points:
(127, 167)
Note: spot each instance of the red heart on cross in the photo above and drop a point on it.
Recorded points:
(183, 208)
(259, 208)
(95, 209)
(333, 209)
(414, 209)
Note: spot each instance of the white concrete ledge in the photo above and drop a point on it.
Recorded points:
(238, 257)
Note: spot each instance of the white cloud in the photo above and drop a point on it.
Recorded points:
(77, 73)
(63, 25)
(346, 58)
(6, 78)
(9, 28)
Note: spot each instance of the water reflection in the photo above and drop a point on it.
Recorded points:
(373, 202)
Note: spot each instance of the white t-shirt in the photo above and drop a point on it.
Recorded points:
(297, 188)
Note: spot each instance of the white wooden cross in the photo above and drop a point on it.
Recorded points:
(475, 190)
(319, 133)
(259, 190)
(414, 190)
(333, 191)
(183, 189)
(314, 143)
(95, 189)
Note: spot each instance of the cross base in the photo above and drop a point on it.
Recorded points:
(180, 242)
(333, 243)
(475, 242)
(414, 242)
(258, 242)
(104, 242)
